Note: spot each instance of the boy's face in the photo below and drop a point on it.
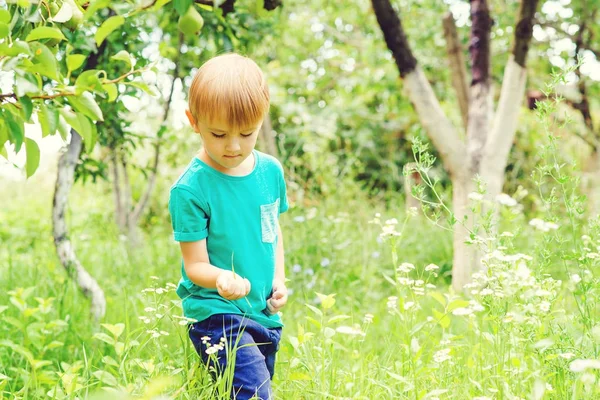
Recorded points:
(227, 147)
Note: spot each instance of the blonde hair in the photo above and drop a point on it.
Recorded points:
(229, 87)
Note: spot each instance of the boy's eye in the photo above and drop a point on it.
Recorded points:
(247, 135)
(217, 135)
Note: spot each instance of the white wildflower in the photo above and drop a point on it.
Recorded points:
(592, 256)
(581, 365)
(350, 330)
(588, 379)
(567, 355)
(405, 267)
(368, 318)
(408, 305)
(431, 267)
(462, 311)
(392, 302)
(392, 221)
(441, 356)
(414, 345)
(475, 196)
(544, 306)
(506, 200)
(507, 234)
(575, 278)
(388, 230)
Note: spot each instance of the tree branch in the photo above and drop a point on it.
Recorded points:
(438, 127)
(504, 125)
(394, 35)
(524, 31)
(457, 66)
(137, 212)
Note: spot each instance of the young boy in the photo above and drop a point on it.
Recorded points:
(225, 210)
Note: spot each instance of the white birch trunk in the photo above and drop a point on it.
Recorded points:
(466, 256)
(440, 129)
(64, 248)
(504, 128)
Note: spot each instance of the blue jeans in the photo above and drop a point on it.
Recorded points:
(255, 347)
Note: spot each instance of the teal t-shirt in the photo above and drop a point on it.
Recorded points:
(237, 215)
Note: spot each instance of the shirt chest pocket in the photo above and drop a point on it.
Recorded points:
(268, 221)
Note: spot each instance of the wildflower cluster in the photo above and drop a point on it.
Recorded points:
(511, 290)
(213, 348)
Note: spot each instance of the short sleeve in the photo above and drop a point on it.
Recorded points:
(188, 216)
(283, 201)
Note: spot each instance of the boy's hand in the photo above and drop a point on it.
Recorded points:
(279, 297)
(232, 286)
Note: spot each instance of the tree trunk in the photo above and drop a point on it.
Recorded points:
(64, 248)
(268, 138)
(466, 256)
(591, 182)
(488, 144)
(458, 67)
(411, 179)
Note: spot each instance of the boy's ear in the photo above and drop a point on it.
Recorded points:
(192, 120)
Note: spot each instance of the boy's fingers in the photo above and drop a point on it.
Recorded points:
(270, 307)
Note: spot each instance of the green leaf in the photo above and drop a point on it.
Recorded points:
(457, 304)
(182, 6)
(3, 138)
(108, 27)
(338, 318)
(112, 91)
(4, 30)
(83, 126)
(27, 105)
(104, 337)
(45, 32)
(44, 61)
(314, 309)
(4, 16)
(327, 301)
(95, 6)
(63, 128)
(158, 5)
(16, 129)
(116, 329)
(86, 104)
(18, 349)
(48, 117)
(142, 86)
(27, 84)
(64, 14)
(18, 47)
(442, 318)
(33, 156)
(123, 55)
(439, 297)
(105, 377)
(74, 61)
(89, 81)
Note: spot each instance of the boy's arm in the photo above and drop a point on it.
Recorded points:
(199, 270)
(280, 293)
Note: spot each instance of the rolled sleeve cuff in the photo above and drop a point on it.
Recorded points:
(190, 236)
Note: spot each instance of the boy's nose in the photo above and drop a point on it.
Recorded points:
(233, 146)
